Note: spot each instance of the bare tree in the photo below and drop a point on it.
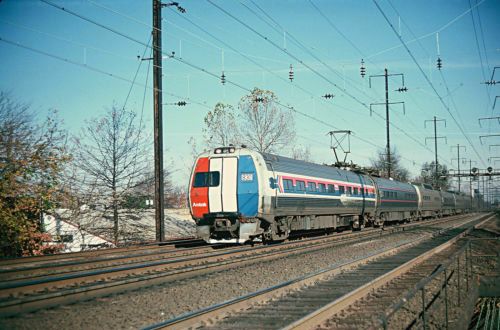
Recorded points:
(220, 126)
(428, 175)
(111, 153)
(302, 153)
(264, 126)
(398, 172)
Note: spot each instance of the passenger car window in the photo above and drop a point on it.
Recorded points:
(341, 189)
(331, 188)
(300, 185)
(322, 187)
(287, 184)
(311, 186)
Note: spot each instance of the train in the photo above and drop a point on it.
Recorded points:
(238, 195)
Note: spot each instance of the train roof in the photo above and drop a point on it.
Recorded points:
(300, 167)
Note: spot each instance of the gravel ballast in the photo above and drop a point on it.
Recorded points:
(155, 304)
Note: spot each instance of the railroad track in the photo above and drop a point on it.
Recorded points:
(65, 264)
(48, 260)
(309, 301)
(29, 293)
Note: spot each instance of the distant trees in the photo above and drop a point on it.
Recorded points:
(398, 172)
(110, 154)
(302, 153)
(439, 180)
(260, 123)
(32, 159)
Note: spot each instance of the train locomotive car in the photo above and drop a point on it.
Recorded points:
(237, 195)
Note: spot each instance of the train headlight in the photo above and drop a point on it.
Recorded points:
(225, 150)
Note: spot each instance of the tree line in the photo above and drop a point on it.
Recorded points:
(102, 177)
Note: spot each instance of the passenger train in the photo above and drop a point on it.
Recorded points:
(238, 195)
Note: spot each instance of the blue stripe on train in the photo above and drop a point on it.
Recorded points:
(248, 187)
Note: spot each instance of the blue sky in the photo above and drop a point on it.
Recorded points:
(354, 30)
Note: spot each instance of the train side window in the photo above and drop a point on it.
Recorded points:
(311, 186)
(287, 184)
(355, 191)
(341, 189)
(349, 190)
(331, 189)
(300, 185)
(322, 187)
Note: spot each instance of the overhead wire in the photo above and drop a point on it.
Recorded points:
(449, 93)
(197, 67)
(334, 27)
(83, 45)
(479, 54)
(94, 69)
(430, 34)
(313, 70)
(429, 82)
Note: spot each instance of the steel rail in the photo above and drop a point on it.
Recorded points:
(36, 282)
(70, 265)
(4, 262)
(323, 314)
(127, 282)
(220, 310)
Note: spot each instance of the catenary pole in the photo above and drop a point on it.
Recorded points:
(158, 129)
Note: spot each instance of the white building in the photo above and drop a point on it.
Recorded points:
(72, 236)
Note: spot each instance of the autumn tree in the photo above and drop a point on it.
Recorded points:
(220, 126)
(398, 172)
(263, 124)
(32, 159)
(111, 153)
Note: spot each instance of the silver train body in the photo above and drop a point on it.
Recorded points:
(238, 195)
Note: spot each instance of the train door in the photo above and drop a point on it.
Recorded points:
(222, 197)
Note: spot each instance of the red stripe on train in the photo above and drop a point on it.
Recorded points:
(199, 196)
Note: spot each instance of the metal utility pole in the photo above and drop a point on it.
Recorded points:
(158, 123)
(386, 75)
(458, 146)
(435, 120)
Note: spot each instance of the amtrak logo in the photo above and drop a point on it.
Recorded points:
(199, 204)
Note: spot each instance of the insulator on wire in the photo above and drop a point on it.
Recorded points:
(491, 82)
(402, 89)
(328, 96)
(290, 74)
(223, 78)
(439, 63)
(259, 99)
(181, 103)
(362, 69)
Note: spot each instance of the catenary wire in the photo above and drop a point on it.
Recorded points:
(429, 82)
(194, 66)
(314, 71)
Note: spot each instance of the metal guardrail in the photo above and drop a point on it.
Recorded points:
(458, 267)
